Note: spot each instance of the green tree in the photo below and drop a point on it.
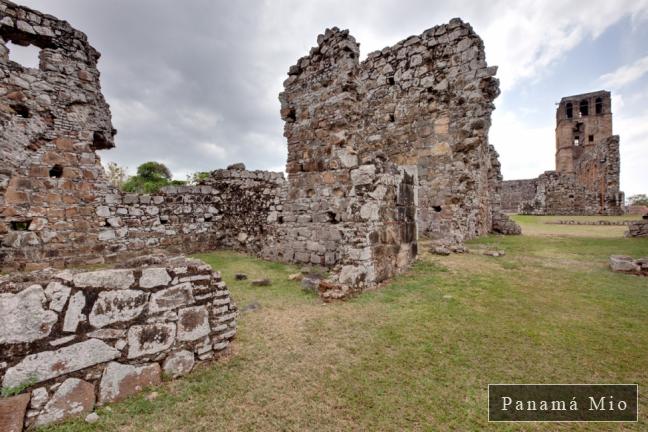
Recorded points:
(639, 199)
(153, 171)
(151, 176)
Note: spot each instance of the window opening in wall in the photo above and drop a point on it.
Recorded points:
(584, 108)
(591, 138)
(332, 217)
(56, 171)
(26, 56)
(20, 225)
(569, 108)
(599, 105)
(390, 81)
(437, 209)
(21, 110)
(576, 141)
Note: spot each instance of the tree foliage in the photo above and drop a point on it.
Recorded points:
(639, 199)
(150, 178)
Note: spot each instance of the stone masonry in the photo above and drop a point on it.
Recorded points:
(586, 179)
(417, 114)
(378, 152)
(79, 337)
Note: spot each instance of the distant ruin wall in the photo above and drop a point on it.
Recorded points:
(79, 338)
(515, 192)
(586, 179)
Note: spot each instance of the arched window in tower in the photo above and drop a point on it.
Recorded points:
(599, 105)
(569, 109)
(584, 108)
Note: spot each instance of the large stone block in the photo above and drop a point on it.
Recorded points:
(120, 381)
(193, 323)
(24, 318)
(171, 298)
(73, 398)
(117, 306)
(108, 279)
(150, 339)
(50, 364)
(12, 412)
(179, 363)
(154, 277)
(74, 315)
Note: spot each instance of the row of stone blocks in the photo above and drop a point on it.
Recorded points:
(73, 339)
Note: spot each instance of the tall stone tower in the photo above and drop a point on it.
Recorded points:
(582, 122)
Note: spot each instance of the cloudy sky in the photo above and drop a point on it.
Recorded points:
(194, 84)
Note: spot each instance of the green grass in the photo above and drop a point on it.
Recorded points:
(418, 353)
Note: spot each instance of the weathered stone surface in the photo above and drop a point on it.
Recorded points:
(50, 364)
(120, 381)
(117, 306)
(57, 294)
(193, 323)
(625, 264)
(74, 315)
(171, 298)
(24, 318)
(74, 397)
(12, 412)
(179, 363)
(108, 279)
(150, 339)
(39, 397)
(154, 277)
(638, 229)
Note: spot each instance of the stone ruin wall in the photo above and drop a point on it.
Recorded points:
(79, 338)
(514, 192)
(416, 114)
(53, 119)
(638, 228)
(586, 179)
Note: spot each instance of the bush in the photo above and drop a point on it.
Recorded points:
(150, 178)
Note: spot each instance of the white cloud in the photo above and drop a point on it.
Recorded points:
(525, 151)
(626, 74)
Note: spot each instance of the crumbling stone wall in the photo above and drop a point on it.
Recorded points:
(78, 338)
(378, 151)
(53, 119)
(420, 108)
(586, 180)
(232, 208)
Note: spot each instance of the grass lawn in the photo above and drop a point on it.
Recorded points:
(418, 353)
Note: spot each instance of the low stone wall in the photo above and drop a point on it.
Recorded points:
(79, 338)
(638, 229)
(583, 222)
(233, 209)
